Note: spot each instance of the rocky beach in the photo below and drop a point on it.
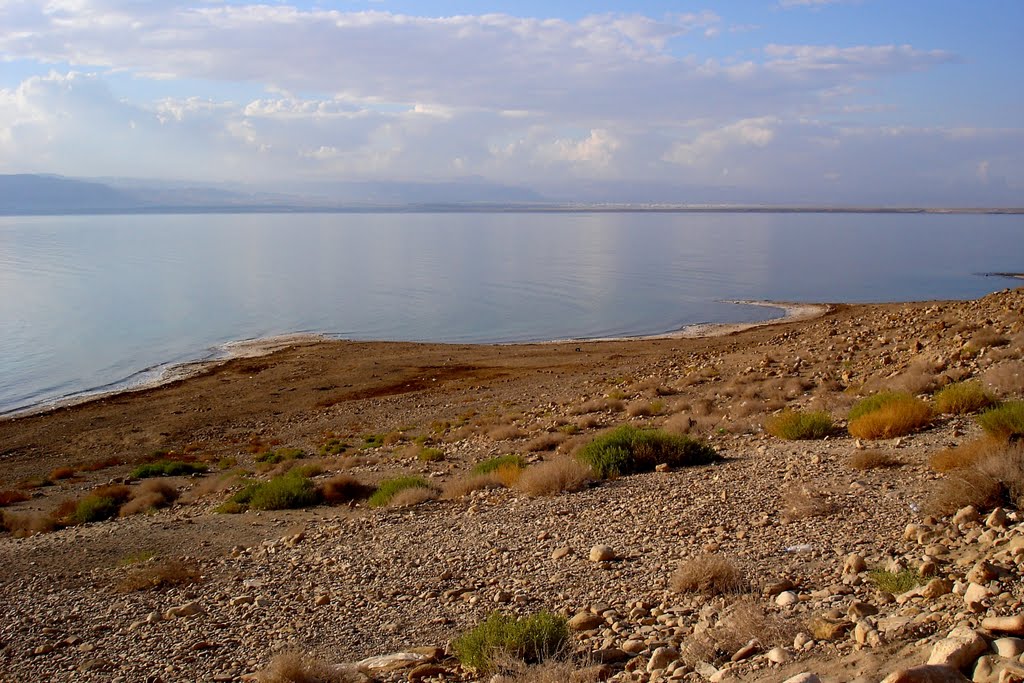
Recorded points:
(829, 557)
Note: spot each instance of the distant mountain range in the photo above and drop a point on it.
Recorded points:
(51, 194)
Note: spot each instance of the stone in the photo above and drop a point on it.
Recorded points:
(746, 651)
(859, 610)
(966, 515)
(392, 662)
(634, 646)
(825, 628)
(995, 669)
(996, 519)
(585, 621)
(602, 553)
(190, 609)
(559, 553)
(422, 671)
(241, 600)
(960, 648)
(661, 658)
(786, 599)
(982, 573)
(936, 588)
(1014, 624)
(779, 587)
(1008, 647)
(805, 677)
(865, 634)
(609, 655)
(322, 600)
(854, 564)
(974, 594)
(926, 674)
(778, 655)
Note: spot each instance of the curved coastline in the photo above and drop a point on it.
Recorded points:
(263, 346)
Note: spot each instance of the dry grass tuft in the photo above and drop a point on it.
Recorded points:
(798, 425)
(516, 671)
(12, 496)
(918, 378)
(873, 460)
(1006, 379)
(27, 523)
(161, 574)
(505, 433)
(740, 623)
(644, 408)
(294, 667)
(1004, 422)
(984, 339)
(59, 473)
(708, 575)
(965, 455)
(150, 495)
(994, 481)
(545, 442)
(412, 496)
(463, 486)
(888, 415)
(554, 476)
(800, 501)
(599, 405)
(963, 398)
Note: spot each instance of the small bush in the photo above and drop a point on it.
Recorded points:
(872, 460)
(995, 480)
(505, 433)
(599, 405)
(157, 575)
(430, 454)
(800, 501)
(895, 582)
(11, 496)
(101, 464)
(545, 442)
(95, 509)
(530, 639)
(333, 447)
(62, 473)
(286, 492)
(293, 667)
(709, 575)
(797, 425)
(167, 468)
(627, 450)
(962, 398)
(150, 495)
(1005, 421)
(644, 408)
(412, 496)
(343, 488)
(458, 488)
(493, 464)
(280, 455)
(28, 523)
(390, 487)
(554, 476)
(888, 415)
(966, 454)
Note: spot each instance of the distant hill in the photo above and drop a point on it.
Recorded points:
(26, 193)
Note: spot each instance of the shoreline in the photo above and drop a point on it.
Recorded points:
(265, 346)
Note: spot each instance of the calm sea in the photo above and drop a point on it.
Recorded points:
(89, 302)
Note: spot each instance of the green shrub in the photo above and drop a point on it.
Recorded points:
(511, 461)
(962, 398)
(389, 487)
(628, 449)
(95, 508)
(333, 447)
(530, 639)
(895, 582)
(286, 492)
(797, 425)
(280, 455)
(373, 441)
(876, 402)
(430, 454)
(1004, 421)
(167, 468)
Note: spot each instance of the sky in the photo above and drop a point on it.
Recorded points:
(884, 101)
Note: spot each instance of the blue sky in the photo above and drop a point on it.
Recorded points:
(804, 100)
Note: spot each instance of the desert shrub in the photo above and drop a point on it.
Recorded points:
(11, 496)
(513, 671)
(101, 464)
(1006, 378)
(962, 398)
(430, 454)
(150, 495)
(494, 464)
(343, 488)
(965, 455)
(888, 415)
(160, 574)
(62, 473)
(414, 495)
(390, 487)
(986, 338)
(167, 468)
(553, 476)
(103, 503)
(918, 378)
(27, 523)
(1005, 421)
(333, 446)
(505, 433)
(598, 405)
(457, 488)
(708, 575)
(280, 455)
(627, 450)
(286, 492)
(742, 621)
(996, 480)
(872, 460)
(895, 582)
(794, 425)
(644, 408)
(530, 639)
(545, 442)
(800, 501)
(294, 667)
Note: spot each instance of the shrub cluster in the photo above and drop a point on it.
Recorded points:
(962, 398)
(709, 575)
(797, 425)
(1004, 422)
(167, 468)
(389, 488)
(529, 639)
(286, 492)
(627, 450)
(887, 415)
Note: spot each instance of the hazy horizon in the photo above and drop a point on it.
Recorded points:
(795, 101)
